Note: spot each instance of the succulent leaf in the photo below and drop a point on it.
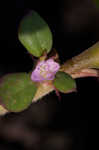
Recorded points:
(64, 82)
(17, 91)
(35, 34)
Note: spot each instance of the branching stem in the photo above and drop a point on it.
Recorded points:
(79, 66)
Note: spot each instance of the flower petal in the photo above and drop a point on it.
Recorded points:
(53, 66)
(45, 70)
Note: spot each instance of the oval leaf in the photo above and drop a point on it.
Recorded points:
(64, 82)
(17, 91)
(35, 34)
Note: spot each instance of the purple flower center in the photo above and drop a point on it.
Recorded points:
(45, 70)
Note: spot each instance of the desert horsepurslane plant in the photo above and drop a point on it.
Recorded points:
(19, 90)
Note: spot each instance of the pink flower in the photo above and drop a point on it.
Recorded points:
(45, 70)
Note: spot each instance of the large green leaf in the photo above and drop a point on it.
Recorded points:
(16, 91)
(64, 82)
(35, 34)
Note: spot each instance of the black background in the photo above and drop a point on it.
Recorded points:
(75, 27)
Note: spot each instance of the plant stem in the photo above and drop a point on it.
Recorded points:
(46, 88)
(87, 59)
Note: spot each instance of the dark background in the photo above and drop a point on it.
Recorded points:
(50, 124)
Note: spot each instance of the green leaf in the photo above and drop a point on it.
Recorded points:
(35, 34)
(64, 82)
(17, 91)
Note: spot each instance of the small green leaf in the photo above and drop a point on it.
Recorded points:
(16, 91)
(35, 34)
(64, 82)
